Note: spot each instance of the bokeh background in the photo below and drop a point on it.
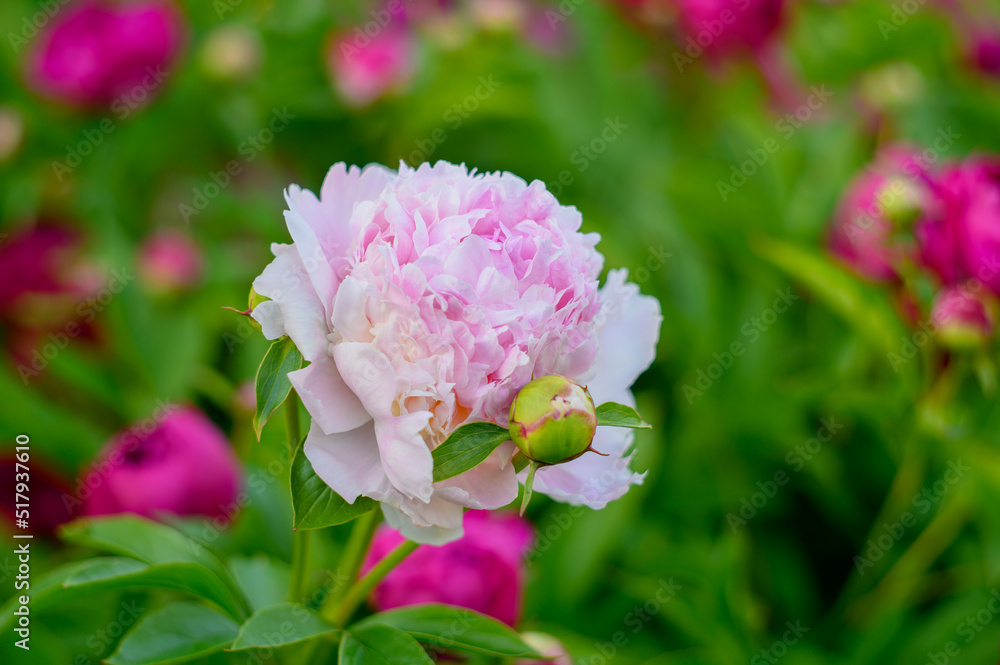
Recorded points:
(769, 473)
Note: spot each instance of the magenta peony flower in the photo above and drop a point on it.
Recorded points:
(861, 234)
(482, 571)
(426, 299)
(984, 53)
(169, 261)
(727, 27)
(366, 68)
(959, 237)
(961, 318)
(94, 52)
(181, 464)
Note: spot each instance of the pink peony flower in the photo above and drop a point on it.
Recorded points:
(94, 52)
(984, 53)
(861, 235)
(180, 464)
(482, 571)
(169, 261)
(366, 68)
(959, 237)
(961, 318)
(426, 299)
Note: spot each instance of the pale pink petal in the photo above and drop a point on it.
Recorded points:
(434, 523)
(628, 329)
(315, 261)
(369, 374)
(488, 485)
(325, 395)
(405, 456)
(348, 462)
(349, 318)
(294, 309)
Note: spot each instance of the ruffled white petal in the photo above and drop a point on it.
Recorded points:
(333, 406)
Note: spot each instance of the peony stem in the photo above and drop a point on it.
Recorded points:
(300, 539)
(360, 590)
(528, 482)
(351, 559)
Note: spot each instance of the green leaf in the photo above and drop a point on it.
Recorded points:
(466, 447)
(176, 561)
(314, 504)
(174, 634)
(273, 386)
(454, 627)
(281, 624)
(837, 288)
(378, 644)
(264, 580)
(612, 414)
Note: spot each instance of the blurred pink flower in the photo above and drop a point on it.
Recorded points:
(95, 52)
(984, 53)
(960, 234)
(728, 27)
(482, 571)
(961, 317)
(367, 67)
(861, 234)
(179, 463)
(425, 299)
(169, 261)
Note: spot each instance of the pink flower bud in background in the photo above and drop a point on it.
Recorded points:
(960, 235)
(367, 67)
(961, 318)
(100, 53)
(547, 646)
(482, 571)
(169, 261)
(11, 132)
(52, 499)
(886, 195)
(177, 461)
(231, 53)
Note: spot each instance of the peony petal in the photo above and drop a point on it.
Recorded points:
(369, 375)
(435, 523)
(314, 259)
(293, 310)
(626, 340)
(349, 318)
(327, 398)
(348, 462)
(405, 456)
(489, 485)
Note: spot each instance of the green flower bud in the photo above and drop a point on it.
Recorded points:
(553, 420)
(255, 299)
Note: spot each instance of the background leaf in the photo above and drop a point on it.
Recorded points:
(279, 625)
(612, 414)
(378, 644)
(272, 385)
(315, 504)
(466, 447)
(174, 634)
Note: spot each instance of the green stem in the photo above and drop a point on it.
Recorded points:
(351, 560)
(300, 539)
(528, 483)
(357, 593)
